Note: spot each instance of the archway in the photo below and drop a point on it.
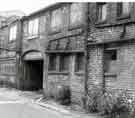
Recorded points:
(33, 70)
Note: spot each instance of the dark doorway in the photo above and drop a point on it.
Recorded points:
(33, 74)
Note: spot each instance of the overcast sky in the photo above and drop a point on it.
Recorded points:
(29, 6)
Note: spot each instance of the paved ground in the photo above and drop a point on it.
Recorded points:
(18, 104)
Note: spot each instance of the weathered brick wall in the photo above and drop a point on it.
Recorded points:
(3, 40)
(7, 59)
(95, 66)
(124, 78)
(8, 72)
(76, 83)
(39, 42)
(74, 80)
(70, 38)
(126, 68)
(98, 30)
(54, 81)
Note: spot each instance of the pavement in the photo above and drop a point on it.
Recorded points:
(19, 99)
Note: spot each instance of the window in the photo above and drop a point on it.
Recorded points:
(33, 27)
(59, 63)
(123, 8)
(79, 66)
(64, 62)
(110, 61)
(52, 63)
(56, 19)
(13, 33)
(76, 12)
(102, 11)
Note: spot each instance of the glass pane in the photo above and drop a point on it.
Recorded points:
(100, 12)
(126, 8)
(79, 62)
(104, 11)
(64, 63)
(52, 63)
(76, 12)
(56, 19)
(13, 31)
(35, 27)
(30, 28)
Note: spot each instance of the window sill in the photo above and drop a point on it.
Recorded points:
(101, 22)
(12, 41)
(124, 16)
(54, 30)
(73, 27)
(7, 74)
(55, 73)
(109, 74)
(79, 73)
(31, 37)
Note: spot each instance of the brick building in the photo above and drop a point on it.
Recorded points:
(9, 53)
(76, 44)
(53, 48)
(111, 46)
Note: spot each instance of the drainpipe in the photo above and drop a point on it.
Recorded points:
(19, 46)
(86, 57)
(103, 62)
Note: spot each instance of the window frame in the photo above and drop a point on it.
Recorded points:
(76, 24)
(50, 64)
(100, 12)
(53, 18)
(58, 69)
(112, 59)
(64, 57)
(77, 68)
(120, 13)
(13, 33)
(32, 31)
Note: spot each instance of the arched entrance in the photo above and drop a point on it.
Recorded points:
(33, 70)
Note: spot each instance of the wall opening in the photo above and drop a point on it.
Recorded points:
(33, 74)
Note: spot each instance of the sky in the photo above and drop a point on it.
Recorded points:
(29, 6)
(26, 6)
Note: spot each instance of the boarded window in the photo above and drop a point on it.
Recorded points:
(13, 33)
(52, 62)
(33, 27)
(110, 61)
(123, 8)
(56, 19)
(76, 12)
(79, 62)
(64, 62)
(102, 12)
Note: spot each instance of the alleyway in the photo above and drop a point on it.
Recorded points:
(17, 104)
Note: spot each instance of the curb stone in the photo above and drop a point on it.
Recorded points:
(65, 112)
(53, 108)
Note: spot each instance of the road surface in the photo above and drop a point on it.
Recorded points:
(25, 109)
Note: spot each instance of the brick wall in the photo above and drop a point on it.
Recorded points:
(95, 67)
(8, 65)
(104, 32)
(74, 80)
(126, 67)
